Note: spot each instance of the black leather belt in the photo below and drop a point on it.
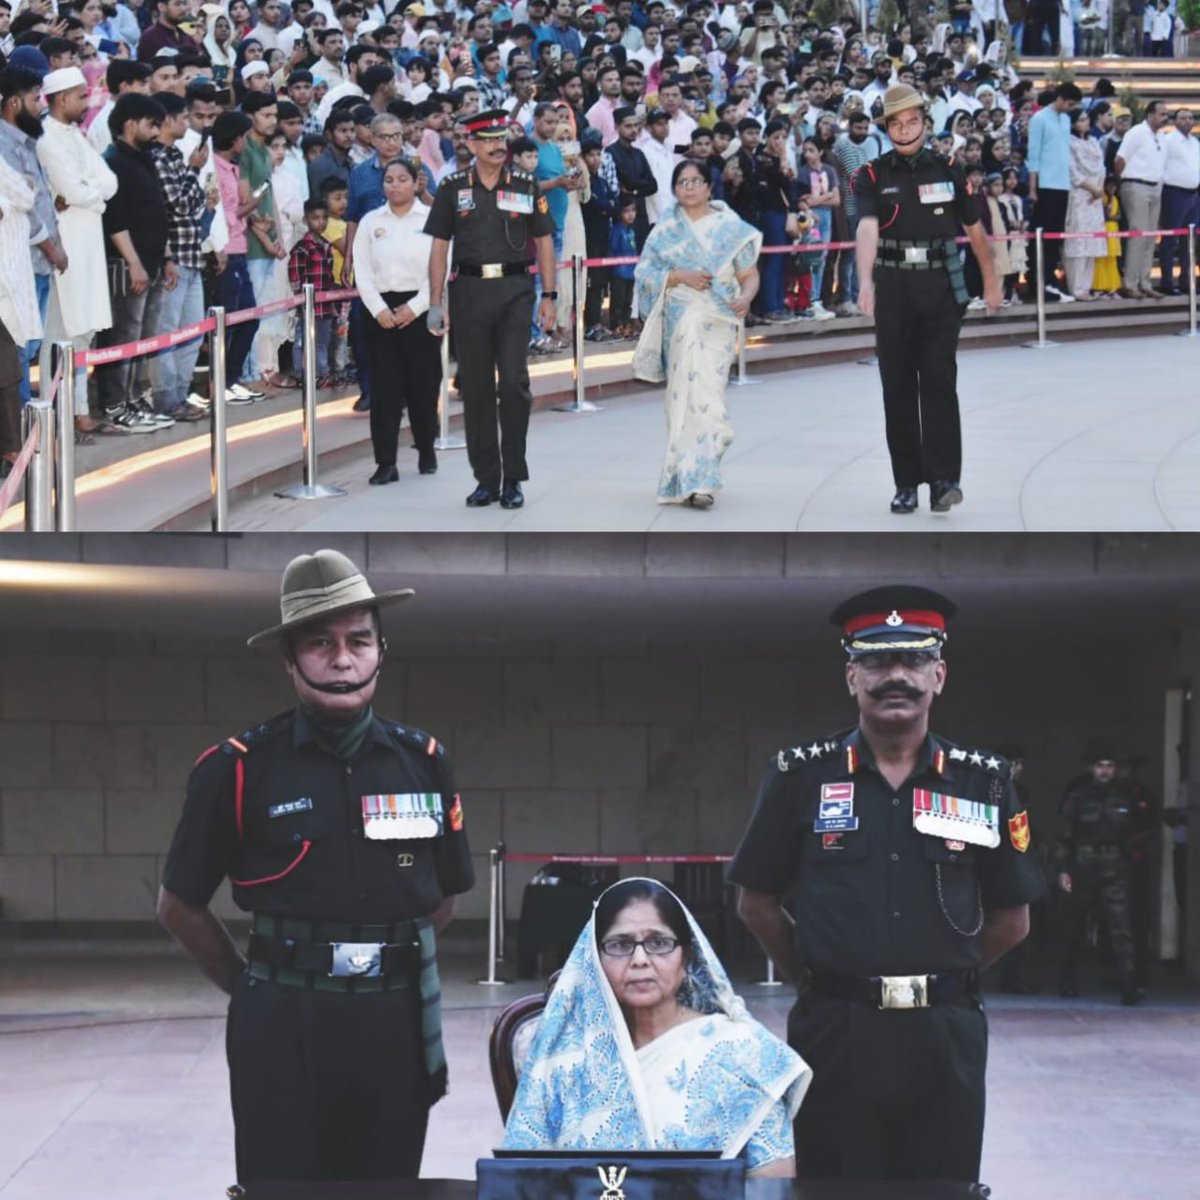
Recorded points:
(898, 991)
(1143, 182)
(492, 270)
(339, 960)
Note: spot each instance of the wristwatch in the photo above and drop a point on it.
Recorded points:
(549, 295)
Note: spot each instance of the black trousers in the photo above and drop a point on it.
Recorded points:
(917, 320)
(620, 303)
(326, 1086)
(597, 284)
(493, 318)
(895, 1094)
(1050, 213)
(406, 366)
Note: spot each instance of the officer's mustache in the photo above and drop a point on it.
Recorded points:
(895, 687)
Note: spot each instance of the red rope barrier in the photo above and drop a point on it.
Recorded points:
(610, 860)
(164, 341)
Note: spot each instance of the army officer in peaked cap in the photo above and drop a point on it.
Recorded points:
(342, 833)
(910, 205)
(492, 212)
(906, 871)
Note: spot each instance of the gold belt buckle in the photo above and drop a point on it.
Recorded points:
(904, 991)
(916, 254)
(492, 270)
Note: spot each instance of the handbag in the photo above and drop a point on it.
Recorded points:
(617, 1176)
(791, 223)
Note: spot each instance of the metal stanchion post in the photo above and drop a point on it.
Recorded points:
(502, 903)
(444, 441)
(39, 482)
(64, 492)
(310, 489)
(219, 466)
(1040, 283)
(741, 379)
(1190, 331)
(494, 917)
(770, 980)
(580, 402)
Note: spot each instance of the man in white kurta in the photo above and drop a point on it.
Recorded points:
(82, 184)
(20, 320)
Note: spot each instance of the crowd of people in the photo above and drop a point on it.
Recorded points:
(165, 155)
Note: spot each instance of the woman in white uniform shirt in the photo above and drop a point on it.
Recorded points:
(391, 269)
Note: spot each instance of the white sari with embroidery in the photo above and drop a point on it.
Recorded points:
(690, 339)
(719, 1081)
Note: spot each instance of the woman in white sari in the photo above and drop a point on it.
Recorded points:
(696, 280)
(643, 1045)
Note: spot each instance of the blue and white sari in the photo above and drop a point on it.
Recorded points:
(717, 1082)
(690, 339)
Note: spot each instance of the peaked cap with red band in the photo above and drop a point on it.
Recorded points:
(490, 124)
(900, 618)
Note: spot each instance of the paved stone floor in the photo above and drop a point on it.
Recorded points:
(1088, 436)
(115, 1084)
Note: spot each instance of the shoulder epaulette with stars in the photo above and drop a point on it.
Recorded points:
(517, 173)
(980, 760)
(417, 739)
(811, 752)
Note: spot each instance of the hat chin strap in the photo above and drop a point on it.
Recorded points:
(339, 689)
(911, 141)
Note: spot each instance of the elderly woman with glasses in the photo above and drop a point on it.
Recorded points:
(695, 282)
(643, 1045)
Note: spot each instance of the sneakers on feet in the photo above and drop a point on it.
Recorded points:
(246, 393)
(820, 312)
(239, 398)
(132, 420)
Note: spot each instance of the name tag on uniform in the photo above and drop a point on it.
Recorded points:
(955, 819)
(936, 193)
(514, 202)
(836, 811)
(304, 804)
(403, 815)
(466, 199)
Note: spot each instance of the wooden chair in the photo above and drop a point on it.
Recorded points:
(509, 1042)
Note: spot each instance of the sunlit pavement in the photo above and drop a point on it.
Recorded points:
(1095, 436)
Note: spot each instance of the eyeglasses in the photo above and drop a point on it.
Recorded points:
(912, 660)
(657, 946)
(692, 182)
(388, 137)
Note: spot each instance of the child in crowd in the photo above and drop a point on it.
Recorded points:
(1160, 30)
(336, 196)
(598, 211)
(996, 223)
(311, 261)
(622, 244)
(1106, 271)
(312, 146)
(1014, 219)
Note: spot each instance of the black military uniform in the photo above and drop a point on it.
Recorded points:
(889, 888)
(342, 853)
(920, 297)
(1100, 822)
(491, 305)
